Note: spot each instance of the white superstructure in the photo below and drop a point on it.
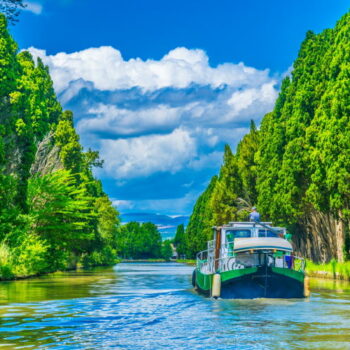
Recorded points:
(243, 245)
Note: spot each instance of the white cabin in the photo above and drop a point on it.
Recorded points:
(243, 245)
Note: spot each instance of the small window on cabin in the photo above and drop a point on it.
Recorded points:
(231, 234)
(267, 233)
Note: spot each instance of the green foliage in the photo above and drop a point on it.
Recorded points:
(5, 262)
(67, 140)
(8, 62)
(333, 269)
(61, 212)
(247, 164)
(199, 228)
(31, 257)
(298, 162)
(303, 157)
(180, 240)
(166, 251)
(229, 196)
(139, 241)
(51, 220)
(104, 246)
(9, 212)
(108, 219)
(103, 257)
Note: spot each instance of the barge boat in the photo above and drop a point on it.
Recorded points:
(247, 260)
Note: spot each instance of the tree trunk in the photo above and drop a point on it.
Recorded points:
(320, 237)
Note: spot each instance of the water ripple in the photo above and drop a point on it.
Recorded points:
(152, 306)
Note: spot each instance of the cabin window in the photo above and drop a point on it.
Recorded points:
(267, 233)
(231, 234)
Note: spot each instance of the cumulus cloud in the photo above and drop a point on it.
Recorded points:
(137, 117)
(122, 204)
(152, 119)
(177, 205)
(145, 155)
(124, 122)
(106, 68)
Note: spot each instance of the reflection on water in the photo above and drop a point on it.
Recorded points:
(152, 306)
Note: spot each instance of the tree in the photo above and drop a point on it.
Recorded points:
(67, 140)
(9, 64)
(139, 241)
(227, 189)
(199, 229)
(180, 240)
(61, 214)
(167, 251)
(247, 164)
(297, 166)
(49, 221)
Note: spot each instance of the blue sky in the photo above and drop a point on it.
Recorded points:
(158, 87)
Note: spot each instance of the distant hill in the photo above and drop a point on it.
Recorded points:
(166, 224)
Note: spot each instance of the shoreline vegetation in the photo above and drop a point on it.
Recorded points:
(333, 270)
(295, 167)
(55, 214)
(330, 271)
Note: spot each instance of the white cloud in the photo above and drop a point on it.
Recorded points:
(145, 155)
(245, 103)
(201, 117)
(106, 68)
(169, 115)
(109, 118)
(210, 160)
(176, 205)
(33, 7)
(122, 204)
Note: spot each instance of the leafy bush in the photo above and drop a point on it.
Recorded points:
(333, 269)
(5, 262)
(31, 257)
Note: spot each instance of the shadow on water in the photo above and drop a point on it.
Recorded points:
(60, 285)
(152, 306)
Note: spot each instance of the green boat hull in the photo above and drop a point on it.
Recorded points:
(254, 282)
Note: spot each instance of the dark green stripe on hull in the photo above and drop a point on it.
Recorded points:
(255, 282)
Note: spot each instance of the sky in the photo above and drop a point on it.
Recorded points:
(159, 87)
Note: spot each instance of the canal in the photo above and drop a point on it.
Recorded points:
(152, 306)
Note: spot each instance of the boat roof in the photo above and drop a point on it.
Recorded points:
(261, 243)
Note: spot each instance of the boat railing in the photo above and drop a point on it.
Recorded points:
(207, 264)
(239, 261)
(205, 260)
(211, 244)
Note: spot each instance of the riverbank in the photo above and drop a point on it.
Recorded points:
(144, 260)
(181, 261)
(191, 262)
(7, 275)
(331, 270)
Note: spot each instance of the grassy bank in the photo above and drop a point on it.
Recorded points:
(9, 273)
(333, 269)
(182, 261)
(144, 260)
(186, 261)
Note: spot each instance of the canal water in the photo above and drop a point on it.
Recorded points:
(152, 306)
